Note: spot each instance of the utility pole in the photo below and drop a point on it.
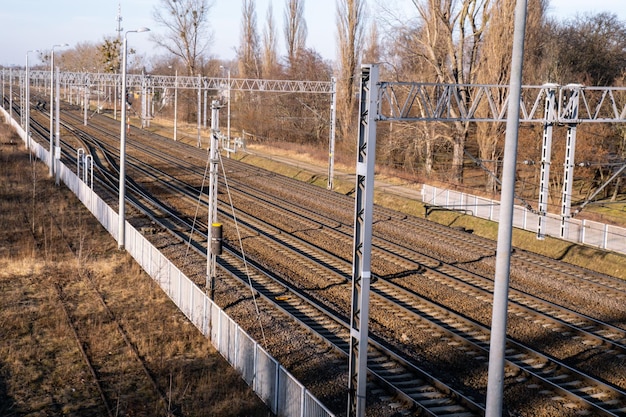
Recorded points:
(176, 104)
(199, 144)
(497, 346)
(51, 156)
(362, 246)
(119, 28)
(57, 131)
(331, 134)
(214, 240)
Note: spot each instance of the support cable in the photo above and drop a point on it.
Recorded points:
(198, 203)
(243, 254)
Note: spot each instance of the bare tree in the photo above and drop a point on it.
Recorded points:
(372, 50)
(409, 146)
(495, 68)
(350, 29)
(270, 45)
(248, 52)
(187, 33)
(451, 39)
(589, 49)
(250, 111)
(295, 29)
(83, 57)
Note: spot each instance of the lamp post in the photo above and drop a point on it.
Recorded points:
(121, 213)
(27, 109)
(52, 105)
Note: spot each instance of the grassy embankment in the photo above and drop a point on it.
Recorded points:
(56, 261)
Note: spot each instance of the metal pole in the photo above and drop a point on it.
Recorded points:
(213, 171)
(362, 246)
(27, 109)
(85, 104)
(57, 130)
(122, 181)
(204, 122)
(51, 156)
(89, 165)
(497, 350)
(80, 154)
(11, 93)
(151, 100)
(199, 109)
(546, 158)
(121, 231)
(143, 100)
(115, 100)
(175, 104)
(51, 110)
(22, 98)
(228, 117)
(331, 139)
(571, 113)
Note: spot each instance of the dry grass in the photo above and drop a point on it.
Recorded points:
(57, 265)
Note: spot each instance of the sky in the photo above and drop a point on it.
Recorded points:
(39, 24)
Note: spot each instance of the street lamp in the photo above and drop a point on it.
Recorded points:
(27, 109)
(52, 105)
(121, 213)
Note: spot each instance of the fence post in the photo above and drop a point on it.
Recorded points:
(277, 388)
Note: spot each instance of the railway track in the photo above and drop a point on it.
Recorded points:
(83, 304)
(581, 391)
(433, 397)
